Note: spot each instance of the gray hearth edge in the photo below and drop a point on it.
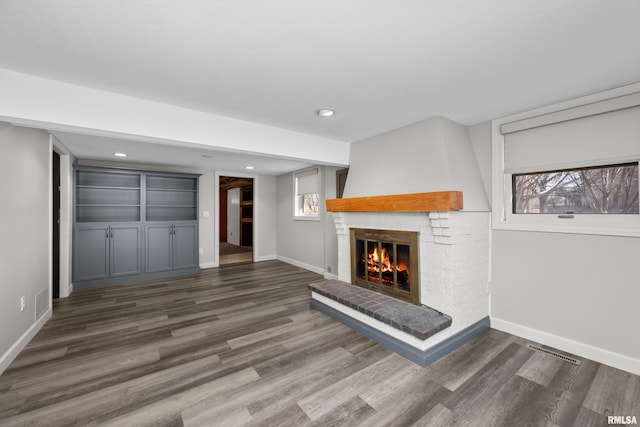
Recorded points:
(419, 321)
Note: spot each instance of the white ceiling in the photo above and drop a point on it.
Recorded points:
(381, 64)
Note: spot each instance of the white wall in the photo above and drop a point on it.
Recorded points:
(83, 110)
(25, 247)
(432, 155)
(233, 216)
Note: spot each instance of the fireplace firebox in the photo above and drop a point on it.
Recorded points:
(386, 261)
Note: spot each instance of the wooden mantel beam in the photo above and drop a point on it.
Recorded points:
(438, 201)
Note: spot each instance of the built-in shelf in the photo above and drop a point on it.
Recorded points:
(171, 198)
(133, 225)
(102, 196)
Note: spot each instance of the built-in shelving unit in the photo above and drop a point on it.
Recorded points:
(246, 216)
(171, 198)
(133, 225)
(107, 197)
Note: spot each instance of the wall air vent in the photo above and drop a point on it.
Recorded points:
(42, 303)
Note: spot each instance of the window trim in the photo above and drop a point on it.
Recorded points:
(305, 172)
(592, 224)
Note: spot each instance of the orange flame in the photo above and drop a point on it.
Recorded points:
(380, 260)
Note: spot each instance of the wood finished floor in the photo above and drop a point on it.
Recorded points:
(239, 345)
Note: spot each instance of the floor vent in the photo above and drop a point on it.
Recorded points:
(555, 354)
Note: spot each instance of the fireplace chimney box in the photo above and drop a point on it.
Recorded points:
(429, 156)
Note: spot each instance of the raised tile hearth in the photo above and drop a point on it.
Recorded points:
(421, 322)
(452, 266)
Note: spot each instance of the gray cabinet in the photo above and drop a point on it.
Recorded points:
(91, 252)
(159, 249)
(185, 246)
(132, 225)
(125, 251)
(171, 247)
(103, 251)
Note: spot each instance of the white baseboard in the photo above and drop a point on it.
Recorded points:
(265, 258)
(205, 265)
(18, 346)
(597, 354)
(300, 264)
(330, 276)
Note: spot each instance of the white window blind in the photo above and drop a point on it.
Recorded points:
(588, 135)
(307, 182)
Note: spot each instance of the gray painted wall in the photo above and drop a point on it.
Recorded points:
(25, 178)
(265, 233)
(580, 287)
(577, 287)
(306, 242)
(480, 134)
(330, 234)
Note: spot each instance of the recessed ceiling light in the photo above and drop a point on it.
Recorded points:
(325, 112)
(249, 167)
(120, 154)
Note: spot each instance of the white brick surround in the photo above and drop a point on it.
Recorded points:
(454, 264)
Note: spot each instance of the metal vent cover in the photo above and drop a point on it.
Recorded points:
(555, 354)
(42, 303)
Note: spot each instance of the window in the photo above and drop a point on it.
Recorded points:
(611, 189)
(570, 168)
(307, 194)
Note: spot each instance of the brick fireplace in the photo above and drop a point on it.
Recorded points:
(386, 261)
(452, 260)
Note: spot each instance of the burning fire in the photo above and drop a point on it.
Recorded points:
(378, 260)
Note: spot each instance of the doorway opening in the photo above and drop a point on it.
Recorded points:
(55, 220)
(236, 220)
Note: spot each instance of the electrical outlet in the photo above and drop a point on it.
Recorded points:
(201, 251)
(23, 301)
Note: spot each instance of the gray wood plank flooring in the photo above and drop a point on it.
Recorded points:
(239, 345)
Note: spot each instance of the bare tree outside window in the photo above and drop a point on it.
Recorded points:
(609, 189)
(310, 204)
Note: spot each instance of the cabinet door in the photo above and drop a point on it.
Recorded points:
(185, 252)
(91, 252)
(159, 248)
(126, 250)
